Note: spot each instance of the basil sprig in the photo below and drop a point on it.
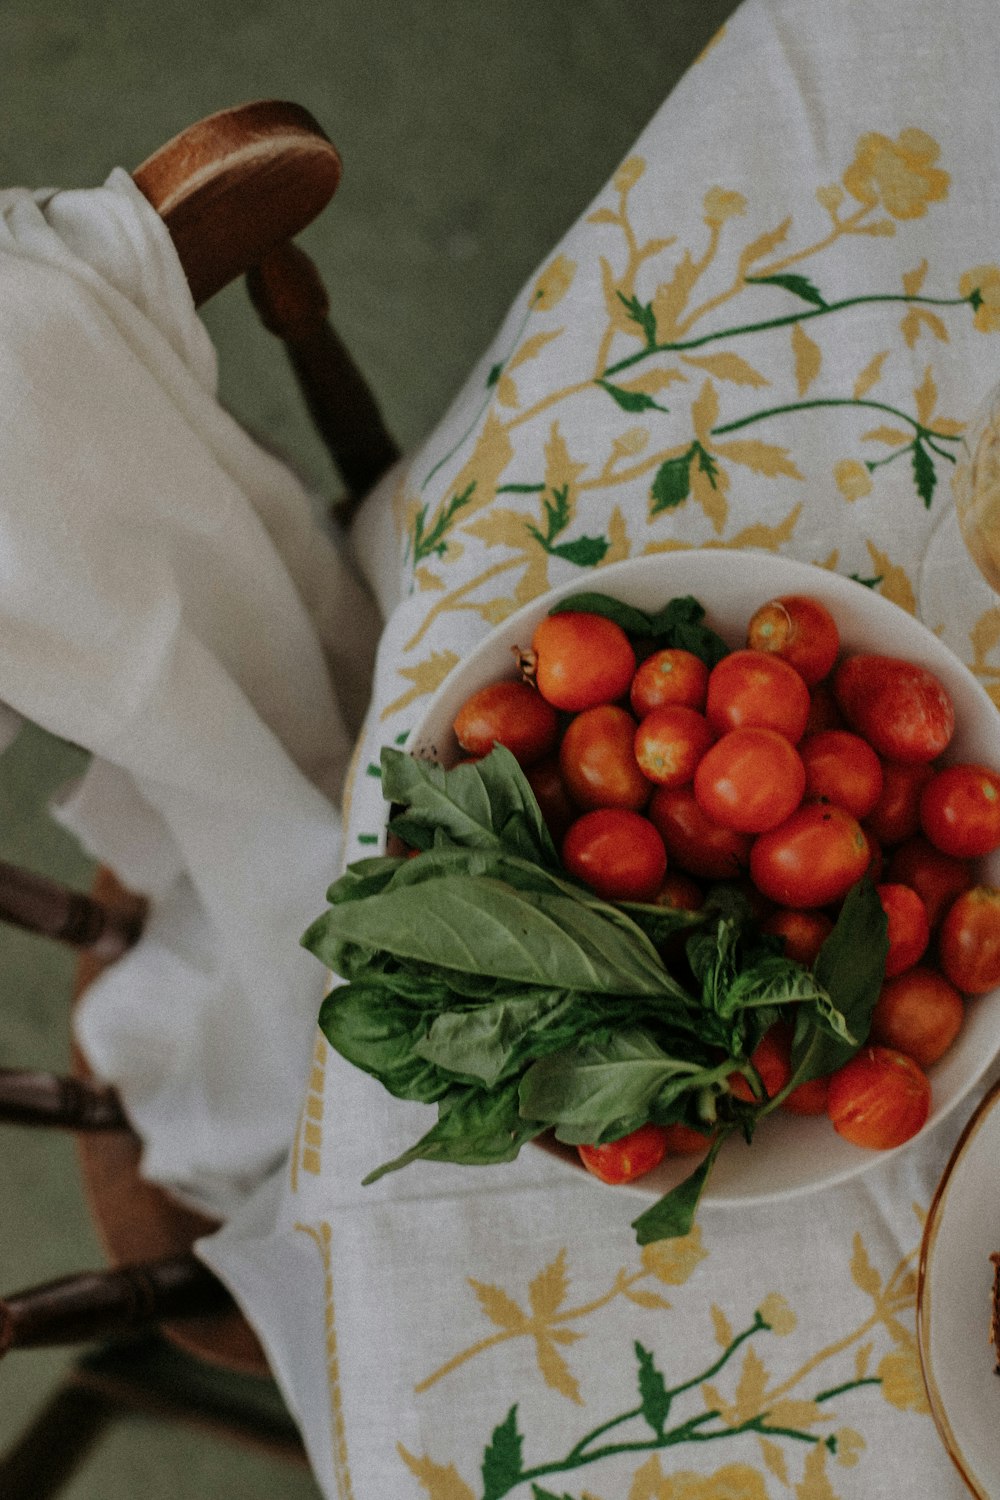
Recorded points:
(481, 978)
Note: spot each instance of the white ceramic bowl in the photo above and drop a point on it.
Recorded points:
(789, 1154)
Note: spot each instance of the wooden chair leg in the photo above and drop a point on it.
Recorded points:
(53, 910)
(47, 1455)
(110, 1304)
(49, 1099)
(291, 301)
(154, 1380)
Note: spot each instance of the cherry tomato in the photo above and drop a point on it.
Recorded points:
(545, 780)
(694, 842)
(802, 932)
(969, 940)
(669, 676)
(597, 759)
(936, 877)
(809, 1098)
(750, 780)
(909, 927)
(581, 660)
(618, 853)
(511, 714)
(812, 859)
(919, 1013)
(684, 1140)
(680, 892)
(960, 811)
(801, 631)
(896, 814)
(670, 742)
(899, 707)
(628, 1158)
(771, 1057)
(879, 1099)
(823, 710)
(748, 689)
(842, 768)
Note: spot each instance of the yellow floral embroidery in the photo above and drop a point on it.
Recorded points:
(899, 176)
(853, 479)
(983, 283)
(553, 284)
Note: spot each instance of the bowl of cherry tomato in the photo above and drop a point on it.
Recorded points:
(831, 738)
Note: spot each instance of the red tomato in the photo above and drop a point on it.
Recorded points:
(960, 811)
(669, 676)
(823, 710)
(803, 932)
(909, 927)
(896, 814)
(693, 840)
(618, 853)
(899, 707)
(628, 1158)
(750, 780)
(809, 1098)
(670, 742)
(581, 660)
(875, 858)
(680, 892)
(801, 631)
(545, 780)
(969, 940)
(511, 714)
(748, 689)
(812, 859)
(772, 1059)
(597, 759)
(879, 1099)
(918, 1013)
(842, 768)
(684, 1140)
(936, 877)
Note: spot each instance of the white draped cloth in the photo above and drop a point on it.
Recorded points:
(168, 601)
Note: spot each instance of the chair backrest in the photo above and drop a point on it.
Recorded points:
(233, 191)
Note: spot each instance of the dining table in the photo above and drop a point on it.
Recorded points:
(771, 330)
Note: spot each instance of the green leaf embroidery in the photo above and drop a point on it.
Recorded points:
(434, 542)
(631, 400)
(924, 474)
(671, 484)
(652, 1391)
(641, 313)
(502, 1459)
(585, 552)
(800, 285)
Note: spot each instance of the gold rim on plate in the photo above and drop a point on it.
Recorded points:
(977, 1120)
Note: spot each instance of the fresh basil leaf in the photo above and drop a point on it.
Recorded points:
(378, 1034)
(478, 806)
(634, 622)
(661, 923)
(486, 926)
(851, 968)
(673, 1215)
(680, 625)
(593, 1093)
(474, 1128)
(365, 877)
(489, 1042)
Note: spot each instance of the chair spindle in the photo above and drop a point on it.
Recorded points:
(51, 1099)
(44, 906)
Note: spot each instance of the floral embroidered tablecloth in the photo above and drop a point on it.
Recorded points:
(769, 331)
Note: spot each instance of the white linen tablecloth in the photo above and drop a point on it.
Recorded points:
(767, 331)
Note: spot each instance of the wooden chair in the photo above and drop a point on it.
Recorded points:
(233, 191)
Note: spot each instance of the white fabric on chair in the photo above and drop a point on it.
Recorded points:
(167, 601)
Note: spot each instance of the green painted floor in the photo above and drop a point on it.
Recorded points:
(472, 135)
